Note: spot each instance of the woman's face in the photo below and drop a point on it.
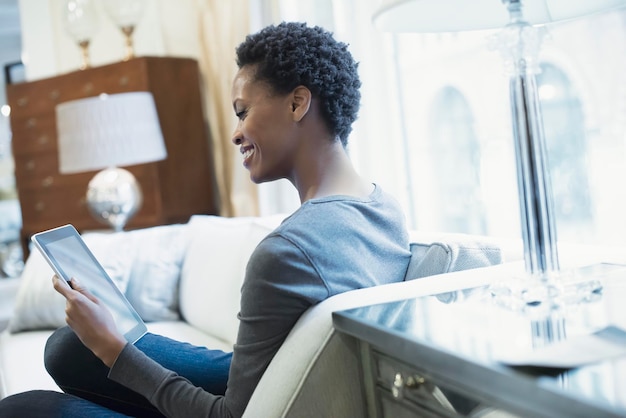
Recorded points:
(265, 129)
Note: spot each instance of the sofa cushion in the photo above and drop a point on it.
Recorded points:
(21, 363)
(182, 331)
(213, 271)
(21, 354)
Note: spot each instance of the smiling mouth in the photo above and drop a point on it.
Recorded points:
(247, 152)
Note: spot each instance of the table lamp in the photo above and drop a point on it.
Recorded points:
(519, 42)
(106, 132)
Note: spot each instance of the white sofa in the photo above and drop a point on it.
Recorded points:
(185, 279)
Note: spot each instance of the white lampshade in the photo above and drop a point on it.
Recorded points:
(464, 15)
(108, 130)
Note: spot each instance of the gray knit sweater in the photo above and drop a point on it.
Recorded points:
(328, 246)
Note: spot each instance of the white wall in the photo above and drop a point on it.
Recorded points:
(48, 50)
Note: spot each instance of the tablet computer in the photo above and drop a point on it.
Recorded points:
(69, 256)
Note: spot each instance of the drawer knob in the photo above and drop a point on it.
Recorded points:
(400, 383)
(397, 388)
(414, 381)
(47, 182)
(40, 206)
(22, 101)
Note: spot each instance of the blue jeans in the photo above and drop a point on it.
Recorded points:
(88, 391)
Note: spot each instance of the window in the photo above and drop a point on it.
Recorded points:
(456, 117)
(456, 162)
(566, 143)
(435, 125)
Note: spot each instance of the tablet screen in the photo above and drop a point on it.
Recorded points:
(70, 257)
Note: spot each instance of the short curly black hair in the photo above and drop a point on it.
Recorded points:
(292, 54)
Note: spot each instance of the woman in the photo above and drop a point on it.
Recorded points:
(296, 95)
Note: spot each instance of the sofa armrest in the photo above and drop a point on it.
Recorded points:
(311, 346)
(288, 388)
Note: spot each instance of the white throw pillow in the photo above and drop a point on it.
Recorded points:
(155, 273)
(214, 267)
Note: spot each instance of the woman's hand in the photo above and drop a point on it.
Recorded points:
(91, 321)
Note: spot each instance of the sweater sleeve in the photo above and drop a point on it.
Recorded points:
(172, 394)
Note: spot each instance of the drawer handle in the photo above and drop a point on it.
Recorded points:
(47, 182)
(22, 101)
(40, 206)
(400, 384)
(417, 382)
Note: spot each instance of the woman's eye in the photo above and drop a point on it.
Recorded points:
(241, 114)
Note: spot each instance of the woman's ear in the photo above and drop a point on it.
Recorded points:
(301, 102)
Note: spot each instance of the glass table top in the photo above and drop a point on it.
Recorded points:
(468, 325)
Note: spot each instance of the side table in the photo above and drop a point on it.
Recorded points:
(436, 356)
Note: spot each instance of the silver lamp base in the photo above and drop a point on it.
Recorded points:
(113, 197)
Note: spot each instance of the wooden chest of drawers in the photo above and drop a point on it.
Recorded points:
(174, 189)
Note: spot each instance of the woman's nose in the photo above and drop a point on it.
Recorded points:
(236, 138)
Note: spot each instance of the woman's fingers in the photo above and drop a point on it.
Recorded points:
(76, 285)
(61, 286)
(91, 321)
